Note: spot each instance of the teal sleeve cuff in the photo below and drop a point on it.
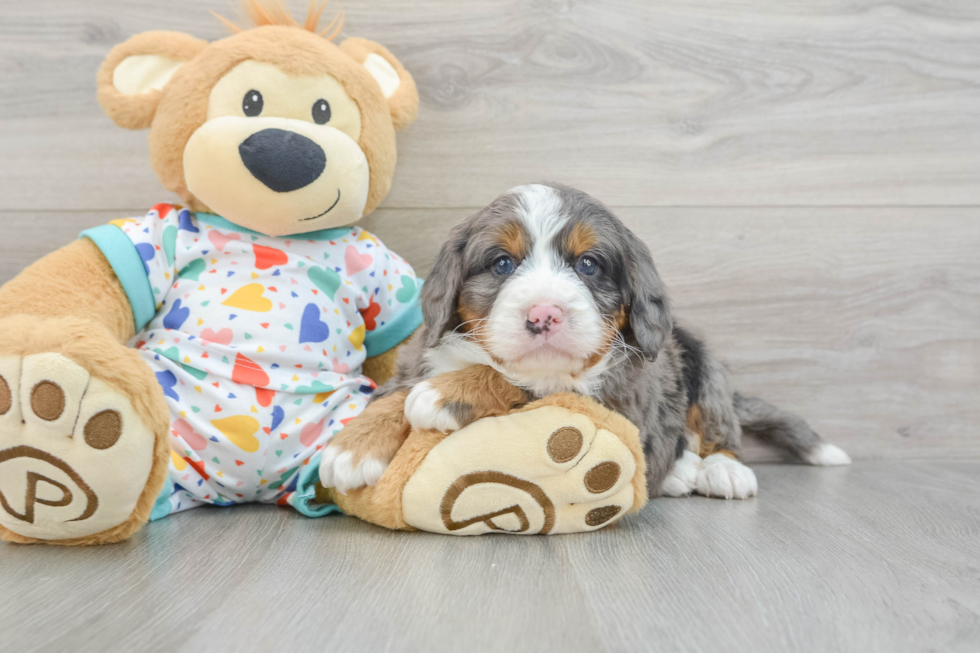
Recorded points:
(303, 498)
(397, 329)
(121, 253)
(163, 507)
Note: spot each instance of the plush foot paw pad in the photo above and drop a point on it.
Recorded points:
(74, 455)
(544, 471)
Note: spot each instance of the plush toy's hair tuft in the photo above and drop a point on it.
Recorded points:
(276, 12)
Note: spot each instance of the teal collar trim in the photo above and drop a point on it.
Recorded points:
(219, 222)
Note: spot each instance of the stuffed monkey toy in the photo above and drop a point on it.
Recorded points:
(206, 353)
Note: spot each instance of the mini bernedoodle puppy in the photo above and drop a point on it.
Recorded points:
(546, 291)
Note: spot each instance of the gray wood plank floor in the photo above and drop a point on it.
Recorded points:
(881, 556)
(806, 176)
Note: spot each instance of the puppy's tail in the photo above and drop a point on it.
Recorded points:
(786, 431)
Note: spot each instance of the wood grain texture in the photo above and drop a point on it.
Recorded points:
(877, 557)
(716, 129)
(866, 321)
(641, 102)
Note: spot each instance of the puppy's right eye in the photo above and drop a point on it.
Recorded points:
(503, 266)
(252, 103)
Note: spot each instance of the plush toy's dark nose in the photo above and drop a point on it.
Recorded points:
(282, 160)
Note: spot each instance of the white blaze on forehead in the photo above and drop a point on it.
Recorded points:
(540, 211)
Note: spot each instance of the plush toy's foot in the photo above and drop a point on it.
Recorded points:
(76, 457)
(547, 470)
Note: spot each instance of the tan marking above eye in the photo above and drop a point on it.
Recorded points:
(48, 400)
(581, 239)
(6, 399)
(598, 516)
(564, 444)
(103, 430)
(602, 477)
(512, 239)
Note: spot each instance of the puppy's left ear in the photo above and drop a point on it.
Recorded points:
(396, 84)
(649, 307)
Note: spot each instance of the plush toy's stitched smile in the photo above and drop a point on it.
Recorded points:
(325, 212)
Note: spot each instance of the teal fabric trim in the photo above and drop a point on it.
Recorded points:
(221, 223)
(304, 498)
(162, 507)
(121, 253)
(397, 329)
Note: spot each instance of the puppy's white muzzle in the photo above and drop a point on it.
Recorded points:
(544, 314)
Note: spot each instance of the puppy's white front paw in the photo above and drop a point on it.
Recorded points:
(683, 477)
(425, 409)
(723, 477)
(337, 470)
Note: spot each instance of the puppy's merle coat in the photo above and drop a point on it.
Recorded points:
(549, 288)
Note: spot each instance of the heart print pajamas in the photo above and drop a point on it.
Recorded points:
(258, 343)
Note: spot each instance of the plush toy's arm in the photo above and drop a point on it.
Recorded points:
(74, 281)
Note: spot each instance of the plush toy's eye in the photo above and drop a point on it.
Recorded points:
(321, 112)
(503, 265)
(587, 266)
(252, 103)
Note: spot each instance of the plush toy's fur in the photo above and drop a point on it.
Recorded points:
(66, 276)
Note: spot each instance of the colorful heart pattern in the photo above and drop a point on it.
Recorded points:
(312, 328)
(250, 298)
(356, 261)
(258, 345)
(268, 257)
(181, 428)
(221, 240)
(326, 280)
(221, 337)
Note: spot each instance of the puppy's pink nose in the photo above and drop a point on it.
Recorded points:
(544, 318)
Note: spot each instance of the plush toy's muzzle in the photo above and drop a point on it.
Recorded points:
(277, 176)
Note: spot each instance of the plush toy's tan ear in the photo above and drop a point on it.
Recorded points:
(134, 73)
(396, 84)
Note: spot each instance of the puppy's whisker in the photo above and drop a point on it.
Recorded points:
(463, 324)
(618, 343)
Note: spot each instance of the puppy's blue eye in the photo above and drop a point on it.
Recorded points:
(503, 265)
(587, 266)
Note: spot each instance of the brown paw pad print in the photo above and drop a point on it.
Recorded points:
(598, 516)
(48, 400)
(6, 399)
(103, 430)
(563, 446)
(75, 455)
